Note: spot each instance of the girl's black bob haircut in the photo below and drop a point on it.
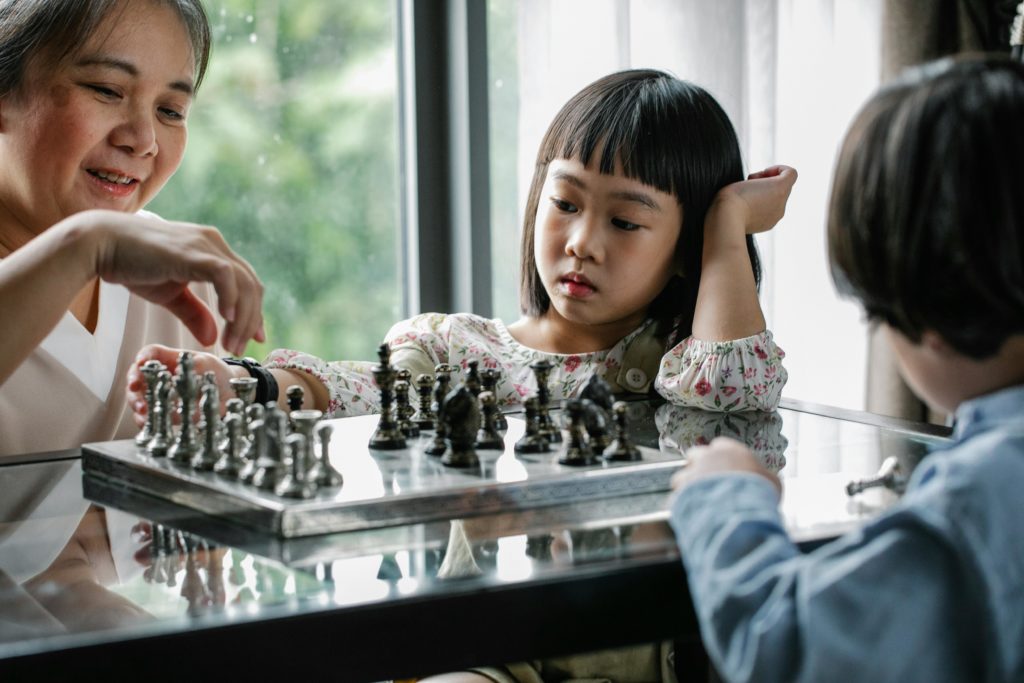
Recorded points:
(666, 133)
(55, 30)
(926, 219)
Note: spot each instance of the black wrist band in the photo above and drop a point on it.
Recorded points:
(266, 385)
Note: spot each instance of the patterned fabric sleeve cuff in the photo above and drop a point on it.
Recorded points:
(286, 359)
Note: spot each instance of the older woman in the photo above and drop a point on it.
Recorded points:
(94, 102)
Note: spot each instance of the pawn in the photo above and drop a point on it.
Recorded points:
(230, 463)
(621, 448)
(425, 418)
(209, 405)
(578, 452)
(488, 438)
(294, 484)
(534, 440)
(295, 396)
(441, 383)
(270, 466)
(323, 473)
(404, 410)
(490, 377)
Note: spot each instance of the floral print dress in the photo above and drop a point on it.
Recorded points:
(738, 375)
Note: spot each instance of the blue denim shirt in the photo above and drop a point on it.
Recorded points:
(933, 590)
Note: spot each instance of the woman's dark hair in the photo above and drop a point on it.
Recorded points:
(926, 221)
(56, 29)
(666, 133)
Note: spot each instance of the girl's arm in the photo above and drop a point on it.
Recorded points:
(727, 304)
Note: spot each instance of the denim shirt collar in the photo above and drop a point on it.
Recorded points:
(990, 410)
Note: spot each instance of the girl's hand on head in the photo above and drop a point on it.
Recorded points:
(135, 394)
(157, 259)
(759, 202)
(722, 456)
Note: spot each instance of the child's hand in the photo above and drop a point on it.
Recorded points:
(759, 202)
(721, 456)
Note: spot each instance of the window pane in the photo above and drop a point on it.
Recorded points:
(292, 155)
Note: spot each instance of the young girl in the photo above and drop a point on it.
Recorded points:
(637, 264)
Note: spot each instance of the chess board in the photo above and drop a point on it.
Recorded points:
(383, 488)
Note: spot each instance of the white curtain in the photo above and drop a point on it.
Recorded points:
(791, 74)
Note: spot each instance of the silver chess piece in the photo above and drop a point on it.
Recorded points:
(257, 450)
(270, 467)
(304, 422)
(187, 387)
(294, 484)
(533, 441)
(578, 452)
(207, 454)
(387, 437)
(488, 438)
(425, 418)
(244, 388)
(231, 463)
(323, 473)
(161, 441)
(150, 370)
(621, 448)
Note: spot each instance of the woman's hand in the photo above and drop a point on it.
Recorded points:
(757, 203)
(721, 456)
(204, 362)
(157, 259)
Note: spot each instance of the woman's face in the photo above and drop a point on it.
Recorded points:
(103, 130)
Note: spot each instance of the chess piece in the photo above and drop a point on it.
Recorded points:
(461, 413)
(533, 441)
(488, 437)
(257, 450)
(442, 380)
(295, 396)
(472, 380)
(387, 436)
(489, 378)
(187, 387)
(161, 441)
(426, 418)
(596, 389)
(231, 463)
(890, 475)
(323, 474)
(270, 467)
(294, 484)
(206, 455)
(244, 388)
(235, 406)
(578, 452)
(542, 370)
(150, 370)
(304, 422)
(595, 419)
(404, 410)
(621, 448)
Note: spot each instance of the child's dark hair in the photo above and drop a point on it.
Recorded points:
(666, 133)
(926, 222)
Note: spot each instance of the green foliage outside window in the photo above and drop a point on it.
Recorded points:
(292, 154)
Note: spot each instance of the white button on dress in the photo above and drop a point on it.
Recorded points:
(636, 378)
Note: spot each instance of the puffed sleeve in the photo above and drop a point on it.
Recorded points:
(726, 376)
(420, 343)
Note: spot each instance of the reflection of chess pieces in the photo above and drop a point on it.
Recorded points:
(533, 441)
(230, 463)
(489, 378)
(425, 418)
(187, 387)
(387, 437)
(244, 388)
(209, 405)
(621, 448)
(192, 587)
(215, 576)
(304, 422)
(488, 438)
(294, 484)
(542, 370)
(150, 372)
(323, 474)
(161, 441)
(404, 410)
(578, 452)
(890, 475)
(461, 413)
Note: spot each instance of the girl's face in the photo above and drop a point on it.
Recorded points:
(103, 130)
(604, 245)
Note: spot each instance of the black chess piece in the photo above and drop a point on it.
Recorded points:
(488, 438)
(404, 410)
(425, 418)
(596, 389)
(621, 448)
(296, 396)
(472, 380)
(387, 437)
(533, 441)
(596, 421)
(461, 414)
(542, 371)
(442, 380)
(490, 377)
(578, 452)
